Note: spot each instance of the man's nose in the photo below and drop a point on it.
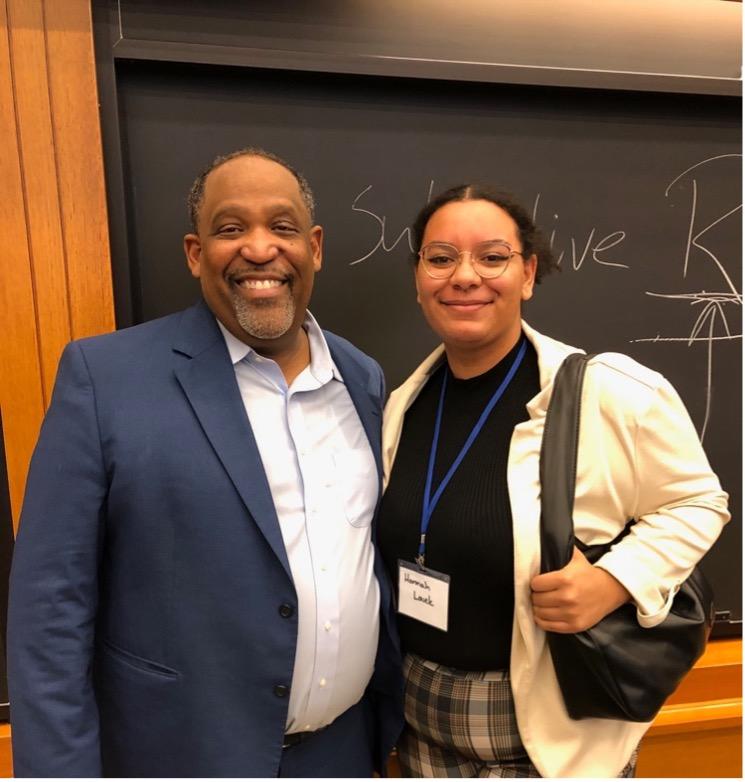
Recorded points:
(464, 275)
(259, 248)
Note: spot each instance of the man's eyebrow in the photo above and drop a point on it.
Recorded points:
(222, 212)
(283, 207)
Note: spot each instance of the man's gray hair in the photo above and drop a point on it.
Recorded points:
(196, 194)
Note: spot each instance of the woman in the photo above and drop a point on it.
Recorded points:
(463, 499)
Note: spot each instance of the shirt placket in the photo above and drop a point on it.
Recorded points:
(318, 491)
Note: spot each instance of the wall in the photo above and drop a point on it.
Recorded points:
(55, 279)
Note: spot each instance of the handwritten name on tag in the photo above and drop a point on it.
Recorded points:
(423, 594)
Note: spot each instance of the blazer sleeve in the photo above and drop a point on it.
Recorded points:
(680, 507)
(54, 587)
(381, 386)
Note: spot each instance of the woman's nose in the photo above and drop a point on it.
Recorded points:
(464, 274)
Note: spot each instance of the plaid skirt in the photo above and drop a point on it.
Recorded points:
(462, 724)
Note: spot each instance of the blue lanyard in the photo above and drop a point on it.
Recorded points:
(429, 502)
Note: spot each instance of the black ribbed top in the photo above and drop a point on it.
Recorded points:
(470, 533)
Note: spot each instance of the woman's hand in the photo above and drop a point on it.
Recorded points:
(576, 597)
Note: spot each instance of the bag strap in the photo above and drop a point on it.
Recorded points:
(558, 463)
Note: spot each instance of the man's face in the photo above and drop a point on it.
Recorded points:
(255, 253)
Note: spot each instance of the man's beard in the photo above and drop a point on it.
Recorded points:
(261, 320)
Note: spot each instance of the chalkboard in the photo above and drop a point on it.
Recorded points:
(641, 193)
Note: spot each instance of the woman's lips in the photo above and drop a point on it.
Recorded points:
(459, 305)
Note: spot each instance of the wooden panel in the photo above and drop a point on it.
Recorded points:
(725, 651)
(21, 397)
(698, 733)
(701, 716)
(55, 278)
(717, 675)
(77, 140)
(697, 754)
(33, 110)
(692, 736)
(6, 753)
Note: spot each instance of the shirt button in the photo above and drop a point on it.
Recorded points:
(307, 727)
(327, 626)
(286, 610)
(322, 683)
(323, 568)
(281, 690)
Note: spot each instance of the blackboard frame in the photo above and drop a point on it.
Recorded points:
(114, 44)
(116, 51)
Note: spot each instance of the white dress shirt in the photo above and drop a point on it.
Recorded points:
(324, 482)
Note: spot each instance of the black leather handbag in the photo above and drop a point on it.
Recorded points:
(616, 669)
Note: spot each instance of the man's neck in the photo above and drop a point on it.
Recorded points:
(294, 360)
(291, 353)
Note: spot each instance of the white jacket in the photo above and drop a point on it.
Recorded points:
(639, 457)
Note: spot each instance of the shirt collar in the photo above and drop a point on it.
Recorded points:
(322, 366)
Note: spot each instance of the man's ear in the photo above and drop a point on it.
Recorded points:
(316, 246)
(193, 251)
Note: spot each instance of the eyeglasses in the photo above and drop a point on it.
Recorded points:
(489, 259)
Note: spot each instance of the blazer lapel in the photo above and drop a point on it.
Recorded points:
(208, 380)
(367, 405)
(399, 402)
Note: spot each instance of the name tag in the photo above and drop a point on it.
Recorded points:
(423, 594)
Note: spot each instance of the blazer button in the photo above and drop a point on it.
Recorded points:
(286, 610)
(281, 690)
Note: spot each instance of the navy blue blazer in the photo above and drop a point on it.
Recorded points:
(144, 637)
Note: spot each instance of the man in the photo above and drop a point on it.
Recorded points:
(195, 591)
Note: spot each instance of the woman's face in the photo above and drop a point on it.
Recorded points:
(466, 311)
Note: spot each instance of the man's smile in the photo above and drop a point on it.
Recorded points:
(252, 287)
(256, 284)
